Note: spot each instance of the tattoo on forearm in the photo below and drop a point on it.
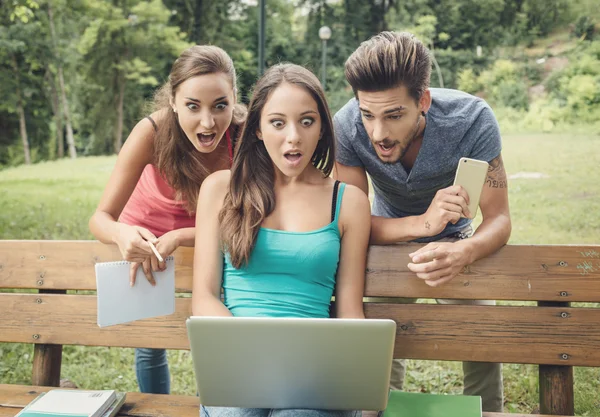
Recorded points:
(496, 177)
(427, 225)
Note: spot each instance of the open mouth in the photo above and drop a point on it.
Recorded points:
(206, 139)
(386, 148)
(293, 156)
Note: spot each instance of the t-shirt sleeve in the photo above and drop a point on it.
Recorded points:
(485, 135)
(345, 153)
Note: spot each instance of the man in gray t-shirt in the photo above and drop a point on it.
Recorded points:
(409, 139)
(456, 125)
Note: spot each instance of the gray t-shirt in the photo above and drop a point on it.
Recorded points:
(458, 125)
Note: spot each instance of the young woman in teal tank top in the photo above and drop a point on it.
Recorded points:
(277, 234)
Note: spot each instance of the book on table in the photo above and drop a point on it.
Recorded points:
(74, 403)
(408, 404)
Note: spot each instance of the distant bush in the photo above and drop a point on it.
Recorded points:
(511, 93)
(501, 84)
(502, 70)
(571, 98)
(533, 72)
(452, 62)
(546, 116)
(584, 27)
(468, 81)
(576, 88)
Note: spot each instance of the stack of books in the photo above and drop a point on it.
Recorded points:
(74, 403)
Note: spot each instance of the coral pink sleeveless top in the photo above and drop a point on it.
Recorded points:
(152, 204)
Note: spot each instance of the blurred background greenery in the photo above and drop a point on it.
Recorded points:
(81, 71)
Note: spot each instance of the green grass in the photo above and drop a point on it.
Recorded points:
(55, 200)
(52, 200)
(564, 207)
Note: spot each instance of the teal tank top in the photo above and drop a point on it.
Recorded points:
(289, 274)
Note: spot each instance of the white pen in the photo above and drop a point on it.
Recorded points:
(155, 251)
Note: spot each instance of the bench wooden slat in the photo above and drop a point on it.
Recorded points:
(515, 272)
(532, 335)
(511, 334)
(69, 265)
(72, 320)
(15, 397)
(528, 273)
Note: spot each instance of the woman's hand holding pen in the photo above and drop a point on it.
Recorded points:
(161, 248)
(135, 244)
(165, 246)
(141, 247)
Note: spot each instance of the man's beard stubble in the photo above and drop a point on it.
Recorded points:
(414, 135)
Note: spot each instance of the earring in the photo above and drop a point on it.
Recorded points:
(174, 110)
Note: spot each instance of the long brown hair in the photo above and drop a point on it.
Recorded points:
(180, 164)
(388, 60)
(251, 196)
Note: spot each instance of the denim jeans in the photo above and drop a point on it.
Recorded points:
(152, 371)
(267, 412)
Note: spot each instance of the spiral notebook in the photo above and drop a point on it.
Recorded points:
(119, 303)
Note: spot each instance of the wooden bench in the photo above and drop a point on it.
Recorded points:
(550, 333)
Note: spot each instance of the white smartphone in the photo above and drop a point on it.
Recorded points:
(471, 174)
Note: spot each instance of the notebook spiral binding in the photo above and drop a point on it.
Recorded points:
(167, 259)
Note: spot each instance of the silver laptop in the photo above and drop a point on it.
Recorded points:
(329, 364)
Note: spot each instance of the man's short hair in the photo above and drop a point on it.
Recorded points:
(388, 60)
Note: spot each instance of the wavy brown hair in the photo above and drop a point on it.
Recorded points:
(251, 196)
(180, 164)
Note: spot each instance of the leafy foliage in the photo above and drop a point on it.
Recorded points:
(115, 53)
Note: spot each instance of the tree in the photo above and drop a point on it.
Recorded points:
(544, 15)
(469, 23)
(18, 63)
(425, 31)
(120, 33)
(61, 84)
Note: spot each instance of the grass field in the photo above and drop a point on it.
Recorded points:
(554, 190)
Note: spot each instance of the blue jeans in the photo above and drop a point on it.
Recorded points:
(267, 412)
(152, 371)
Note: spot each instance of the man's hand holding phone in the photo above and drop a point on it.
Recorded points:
(448, 206)
(439, 262)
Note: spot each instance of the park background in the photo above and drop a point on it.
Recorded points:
(76, 75)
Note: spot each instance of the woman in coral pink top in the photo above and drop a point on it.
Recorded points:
(152, 193)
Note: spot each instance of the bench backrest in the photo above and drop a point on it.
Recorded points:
(552, 275)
